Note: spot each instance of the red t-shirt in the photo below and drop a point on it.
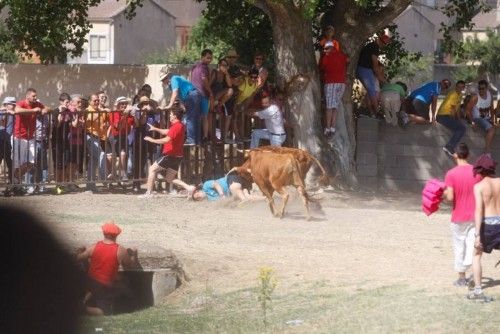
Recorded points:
(25, 124)
(175, 147)
(462, 180)
(104, 263)
(114, 120)
(333, 67)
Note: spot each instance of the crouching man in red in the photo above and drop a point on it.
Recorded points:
(105, 258)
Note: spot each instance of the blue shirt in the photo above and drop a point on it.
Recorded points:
(426, 92)
(9, 122)
(184, 86)
(212, 194)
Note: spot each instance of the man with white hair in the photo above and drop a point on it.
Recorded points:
(7, 111)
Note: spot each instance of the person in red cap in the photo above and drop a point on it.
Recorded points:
(486, 219)
(104, 259)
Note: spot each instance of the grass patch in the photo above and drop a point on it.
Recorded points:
(322, 307)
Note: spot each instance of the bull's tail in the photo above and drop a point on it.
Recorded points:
(324, 179)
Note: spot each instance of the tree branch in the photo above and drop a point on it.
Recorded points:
(386, 15)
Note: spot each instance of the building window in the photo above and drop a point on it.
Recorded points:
(98, 47)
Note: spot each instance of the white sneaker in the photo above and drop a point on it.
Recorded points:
(146, 195)
(332, 130)
(327, 131)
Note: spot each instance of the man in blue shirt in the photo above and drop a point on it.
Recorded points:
(417, 104)
(184, 91)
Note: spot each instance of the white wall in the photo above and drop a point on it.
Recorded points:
(51, 80)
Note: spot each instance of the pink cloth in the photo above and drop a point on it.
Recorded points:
(431, 196)
(462, 180)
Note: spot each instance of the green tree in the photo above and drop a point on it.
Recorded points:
(52, 29)
(292, 23)
(481, 57)
(7, 50)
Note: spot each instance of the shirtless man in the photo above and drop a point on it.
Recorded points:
(486, 218)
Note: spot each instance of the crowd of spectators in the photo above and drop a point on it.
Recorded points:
(115, 143)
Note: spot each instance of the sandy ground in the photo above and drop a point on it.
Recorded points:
(356, 240)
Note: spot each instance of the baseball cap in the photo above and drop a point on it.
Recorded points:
(111, 228)
(9, 100)
(385, 39)
(329, 44)
(165, 72)
(121, 99)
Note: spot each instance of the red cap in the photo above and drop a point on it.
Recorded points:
(385, 39)
(111, 228)
(484, 165)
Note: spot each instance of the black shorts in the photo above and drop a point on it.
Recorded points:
(120, 144)
(234, 177)
(417, 108)
(167, 162)
(102, 296)
(490, 237)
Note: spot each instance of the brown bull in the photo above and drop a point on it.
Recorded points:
(304, 158)
(273, 171)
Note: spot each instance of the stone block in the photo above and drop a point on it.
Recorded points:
(364, 135)
(367, 124)
(366, 147)
(367, 170)
(366, 158)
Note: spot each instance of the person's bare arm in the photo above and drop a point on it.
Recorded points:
(449, 194)
(160, 141)
(173, 97)
(478, 215)
(127, 257)
(377, 69)
(218, 188)
(20, 110)
(153, 128)
(85, 253)
(468, 108)
(433, 109)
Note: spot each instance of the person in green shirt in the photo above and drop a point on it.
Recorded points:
(447, 116)
(392, 95)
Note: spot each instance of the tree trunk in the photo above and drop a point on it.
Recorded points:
(297, 74)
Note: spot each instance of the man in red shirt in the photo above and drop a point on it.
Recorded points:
(173, 149)
(104, 259)
(23, 148)
(460, 182)
(333, 66)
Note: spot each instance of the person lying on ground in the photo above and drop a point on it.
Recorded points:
(231, 185)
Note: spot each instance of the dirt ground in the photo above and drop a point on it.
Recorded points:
(355, 240)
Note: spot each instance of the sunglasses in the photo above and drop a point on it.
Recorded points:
(231, 57)
(259, 58)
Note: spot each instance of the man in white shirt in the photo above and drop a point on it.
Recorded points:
(479, 109)
(273, 118)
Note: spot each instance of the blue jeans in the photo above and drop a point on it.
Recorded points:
(192, 102)
(97, 159)
(455, 126)
(274, 139)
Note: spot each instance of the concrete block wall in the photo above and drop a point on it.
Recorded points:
(391, 158)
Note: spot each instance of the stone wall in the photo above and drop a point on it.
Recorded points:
(396, 159)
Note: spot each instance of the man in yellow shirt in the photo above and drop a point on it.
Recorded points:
(448, 116)
(96, 124)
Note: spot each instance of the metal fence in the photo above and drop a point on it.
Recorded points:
(96, 149)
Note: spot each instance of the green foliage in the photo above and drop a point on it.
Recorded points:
(7, 50)
(468, 73)
(52, 29)
(238, 24)
(397, 58)
(266, 288)
(461, 13)
(413, 70)
(483, 55)
(200, 39)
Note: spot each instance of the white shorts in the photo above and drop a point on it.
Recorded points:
(23, 151)
(463, 245)
(333, 94)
